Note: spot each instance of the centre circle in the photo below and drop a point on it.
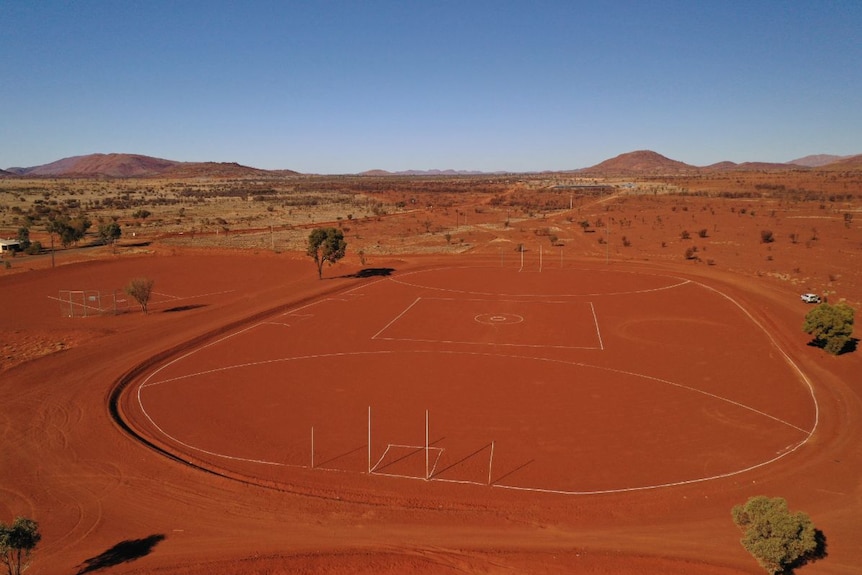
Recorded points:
(499, 318)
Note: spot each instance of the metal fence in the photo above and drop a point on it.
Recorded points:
(88, 303)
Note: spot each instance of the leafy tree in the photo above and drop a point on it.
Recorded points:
(70, 230)
(140, 289)
(326, 245)
(24, 237)
(831, 326)
(17, 542)
(109, 232)
(778, 539)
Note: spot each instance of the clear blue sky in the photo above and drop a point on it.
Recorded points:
(347, 86)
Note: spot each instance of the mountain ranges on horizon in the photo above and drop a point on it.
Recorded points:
(641, 162)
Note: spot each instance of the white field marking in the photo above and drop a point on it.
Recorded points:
(363, 286)
(146, 381)
(299, 316)
(168, 296)
(783, 353)
(396, 318)
(450, 299)
(415, 448)
(657, 486)
(596, 322)
(681, 281)
(787, 451)
(490, 343)
(791, 448)
(486, 300)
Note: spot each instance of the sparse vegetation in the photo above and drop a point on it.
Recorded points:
(326, 245)
(109, 232)
(778, 539)
(831, 326)
(140, 289)
(17, 542)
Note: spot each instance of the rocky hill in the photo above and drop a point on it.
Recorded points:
(138, 166)
(640, 163)
(845, 164)
(817, 160)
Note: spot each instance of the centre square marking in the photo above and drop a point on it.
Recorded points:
(561, 324)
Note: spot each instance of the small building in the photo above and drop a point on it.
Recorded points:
(9, 246)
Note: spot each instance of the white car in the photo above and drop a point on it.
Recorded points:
(810, 298)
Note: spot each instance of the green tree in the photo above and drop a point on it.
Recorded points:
(69, 230)
(17, 542)
(24, 237)
(778, 539)
(140, 290)
(831, 326)
(109, 232)
(326, 245)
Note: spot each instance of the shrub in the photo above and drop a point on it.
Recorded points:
(778, 539)
(766, 236)
(831, 326)
(140, 290)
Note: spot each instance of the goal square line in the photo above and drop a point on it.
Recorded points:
(522, 323)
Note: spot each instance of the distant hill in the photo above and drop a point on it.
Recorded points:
(641, 162)
(426, 173)
(216, 170)
(847, 163)
(376, 173)
(752, 167)
(106, 165)
(138, 166)
(817, 160)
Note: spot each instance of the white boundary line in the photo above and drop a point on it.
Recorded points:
(681, 281)
(791, 448)
(378, 336)
(396, 318)
(788, 449)
(596, 322)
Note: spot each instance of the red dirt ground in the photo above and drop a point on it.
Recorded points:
(106, 501)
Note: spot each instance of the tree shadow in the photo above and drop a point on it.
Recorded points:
(122, 552)
(464, 459)
(371, 272)
(513, 471)
(184, 307)
(849, 346)
(819, 553)
(340, 456)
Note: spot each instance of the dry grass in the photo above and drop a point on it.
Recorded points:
(816, 248)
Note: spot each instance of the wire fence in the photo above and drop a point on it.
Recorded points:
(88, 303)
